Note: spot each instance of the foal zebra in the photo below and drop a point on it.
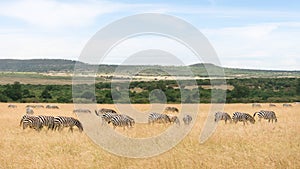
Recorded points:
(187, 119)
(158, 118)
(122, 120)
(222, 116)
(244, 117)
(61, 121)
(268, 115)
(31, 121)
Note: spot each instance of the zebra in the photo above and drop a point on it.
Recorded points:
(39, 106)
(159, 118)
(52, 107)
(171, 109)
(104, 110)
(81, 111)
(187, 119)
(174, 119)
(272, 105)
(47, 121)
(222, 116)
(244, 117)
(268, 115)
(121, 120)
(12, 106)
(256, 105)
(106, 117)
(61, 121)
(286, 105)
(31, 121)
(29, 110)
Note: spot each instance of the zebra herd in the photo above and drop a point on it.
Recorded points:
(53, 123)
(121, 120)
(245, 117)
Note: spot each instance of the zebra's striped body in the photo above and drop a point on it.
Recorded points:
(187, 119)
(174, 119)
(244, 117)
(104, 110)
(52, 107)
(286, 105)
(158, 118)
(222, 116)
(31, 121)
(171, 109)
(61, 121)
(106, 117)
(12, 106)
(121, 120)
(47, 121)
(268, 115)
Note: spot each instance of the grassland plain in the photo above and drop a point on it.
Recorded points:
(259, 145)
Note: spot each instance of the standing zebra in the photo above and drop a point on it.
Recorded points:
(31, 121)
(122, 120)
(244, 117)
(159, 118)
(286, 105)
(106, 117)
(187, 119)
(171, 109)
(256, 105)
(29, 110)
(104, 110)
(61, 121)
(47, 121)
(268, 115)
(174, 119)
(222, 116)
(272, 105)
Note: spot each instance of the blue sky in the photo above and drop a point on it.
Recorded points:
(245, 34)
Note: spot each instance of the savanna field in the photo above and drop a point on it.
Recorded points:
(259, 145)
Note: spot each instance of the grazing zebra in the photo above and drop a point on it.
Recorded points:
(171, 109)
(52, 107)
(272, 105)
(39, 106)
(106, 117)
(81, 111)
(286, 105)
(222, 116)
(61, 121)
(122, 120)
(104, 110)
(47, 121)
(12, 106)
(187, 119)
(29, 110)
(174, 119)
(244, 117)
(256, 105)
(31, 121)
(30, 106)
(159, 118)
(268, 115)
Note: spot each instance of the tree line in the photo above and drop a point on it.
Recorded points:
(167, 91)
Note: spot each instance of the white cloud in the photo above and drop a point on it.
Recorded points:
(55, 14)
(270, 46)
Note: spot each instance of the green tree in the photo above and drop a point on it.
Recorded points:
(298, 87)
(14, 91)
(45, 94)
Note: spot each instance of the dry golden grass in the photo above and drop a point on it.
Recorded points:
(260, 145)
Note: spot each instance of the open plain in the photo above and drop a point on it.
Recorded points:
(259, 145)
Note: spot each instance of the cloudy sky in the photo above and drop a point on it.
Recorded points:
(245, 34)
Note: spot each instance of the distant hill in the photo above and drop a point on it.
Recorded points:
(60, 65)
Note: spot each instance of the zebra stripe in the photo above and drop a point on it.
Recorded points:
(61, 121)
(222, 116)
(268, 115)
(121, 120)
(158, 118)
(47, 121)
(31, 121)
(187, 119)
(106, 117)
(244, 117)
